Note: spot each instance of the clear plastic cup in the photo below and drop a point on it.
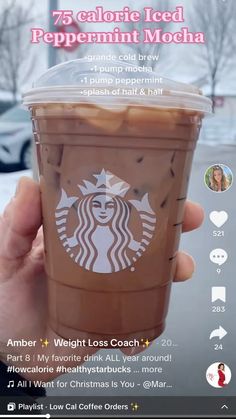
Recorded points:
(114, 169)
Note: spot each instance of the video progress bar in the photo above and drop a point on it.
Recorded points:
(47, 416)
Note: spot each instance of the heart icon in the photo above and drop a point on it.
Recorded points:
(219, 218)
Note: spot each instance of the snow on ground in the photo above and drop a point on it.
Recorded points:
(8, 182)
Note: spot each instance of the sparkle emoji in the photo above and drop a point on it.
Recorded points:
(44, 343)
(145, 342)
(134, 407)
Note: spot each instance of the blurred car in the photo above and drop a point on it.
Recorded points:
(15, 138)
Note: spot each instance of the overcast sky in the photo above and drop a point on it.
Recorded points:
(180, 62)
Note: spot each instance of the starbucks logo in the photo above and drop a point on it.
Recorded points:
(103, 241)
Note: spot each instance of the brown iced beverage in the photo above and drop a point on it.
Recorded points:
(114, 178)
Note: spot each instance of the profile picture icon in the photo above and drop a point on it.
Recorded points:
(218, 375)
(218, 178)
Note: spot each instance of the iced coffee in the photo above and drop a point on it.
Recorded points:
(114, 179)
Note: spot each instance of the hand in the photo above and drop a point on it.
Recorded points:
(193, 218)
(23, 294)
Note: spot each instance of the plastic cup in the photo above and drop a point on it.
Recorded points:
(114, 171)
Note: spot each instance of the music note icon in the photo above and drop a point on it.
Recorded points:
(11, 384)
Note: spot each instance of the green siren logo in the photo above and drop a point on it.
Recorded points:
(103, 241)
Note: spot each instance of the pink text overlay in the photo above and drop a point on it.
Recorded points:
(66, 21)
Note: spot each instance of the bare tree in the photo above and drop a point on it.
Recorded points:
(4, 16)
(217, 20)
(14, 48)
(6, 21)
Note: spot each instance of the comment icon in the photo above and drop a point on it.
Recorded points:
(218, 256)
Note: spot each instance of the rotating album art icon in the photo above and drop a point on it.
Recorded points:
(103, 240)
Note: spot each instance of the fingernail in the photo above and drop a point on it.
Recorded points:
(194, 265)
(18, 186)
